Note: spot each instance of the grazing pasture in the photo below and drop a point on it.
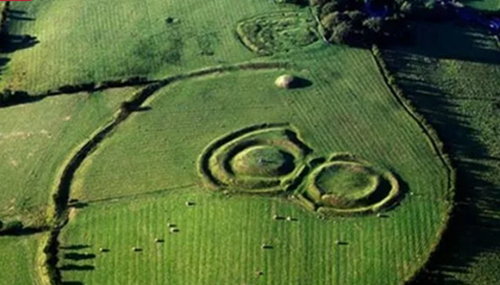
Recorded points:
(146, 175)
(90, 41)
(19, 259)
(37, 138)
(222, 172)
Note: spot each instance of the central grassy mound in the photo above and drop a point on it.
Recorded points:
(342, 184)
(264, 161)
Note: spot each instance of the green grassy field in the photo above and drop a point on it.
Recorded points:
(149, 171)
(104, 46)
(484, 5)
(35, 141)
(450, 76)
(19, 260)
(156, 153)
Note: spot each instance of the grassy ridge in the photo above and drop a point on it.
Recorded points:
(35, 140)
(346, 109)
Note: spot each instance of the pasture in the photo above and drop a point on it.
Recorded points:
(37, 138)
(90, 42)
(19, 259)
(212, 174)
(151, 164)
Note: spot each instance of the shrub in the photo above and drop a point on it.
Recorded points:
(342, 33)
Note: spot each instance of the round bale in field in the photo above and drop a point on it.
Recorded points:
(285, 81)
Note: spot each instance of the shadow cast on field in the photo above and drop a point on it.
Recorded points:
(474, 227)
(455, 40)
(79, 256)
(72, 283)
(76, 267)
(300, 82)
(12, 43)
(18, 16)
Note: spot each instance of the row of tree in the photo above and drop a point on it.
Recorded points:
(365, 22)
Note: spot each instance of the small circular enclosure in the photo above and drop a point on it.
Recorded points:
(350, 187)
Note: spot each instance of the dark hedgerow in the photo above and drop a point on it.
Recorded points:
(363, 23)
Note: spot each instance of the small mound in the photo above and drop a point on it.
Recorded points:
(265, 161)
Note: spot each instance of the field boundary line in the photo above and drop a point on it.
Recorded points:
(436, 144)
(138, 195)
(58, 211)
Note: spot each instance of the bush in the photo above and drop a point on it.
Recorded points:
(317, 2)
(342, 33)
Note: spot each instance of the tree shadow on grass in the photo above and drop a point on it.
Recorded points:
(79, 256)
(475, 223)
(72, 283)
(76, 267)
(455, 40)
(12, 43)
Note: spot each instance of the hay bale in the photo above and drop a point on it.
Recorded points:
(190, 203)
(170, 225)
(285, 81)
(136, 249)
(174, 230)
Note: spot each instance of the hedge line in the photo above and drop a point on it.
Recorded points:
(439, 148)
(4, 8)
(10, 98)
